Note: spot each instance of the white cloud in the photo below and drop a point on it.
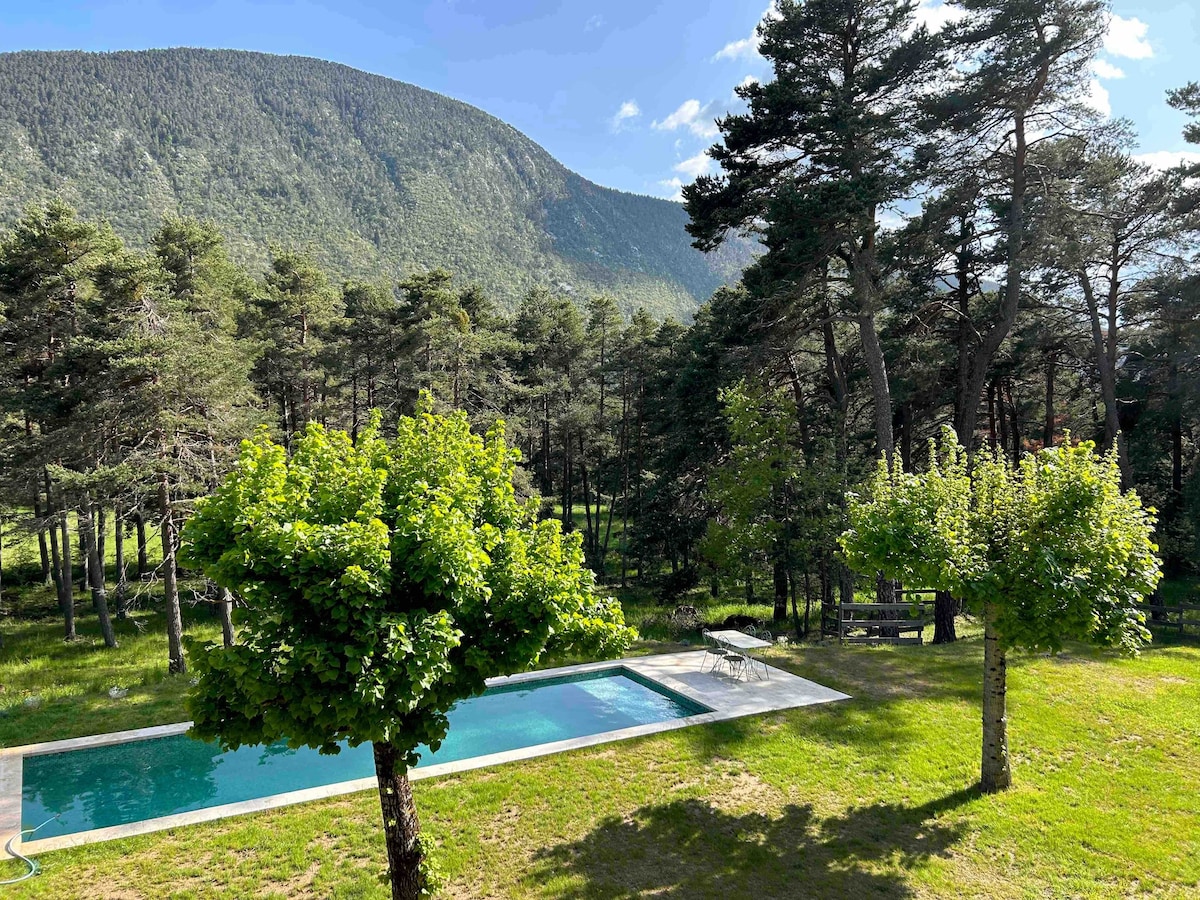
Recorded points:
(1168, 159)
(695, 166)
(596, 21)
(690, 115)
(629, 110)
(747, 47)
(1127, 38)
(675, 185)
(936, 15)
(1097, 98)
(1104, 69)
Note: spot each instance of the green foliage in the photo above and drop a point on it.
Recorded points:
(383, 177)
(384, 581)
(1053, 543)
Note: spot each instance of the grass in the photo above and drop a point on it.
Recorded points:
(872, 797)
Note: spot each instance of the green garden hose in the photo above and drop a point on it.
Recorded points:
(34, 868)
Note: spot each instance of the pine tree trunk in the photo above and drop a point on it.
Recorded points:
(226, 605)
(995, 773)
(944, 609)
(177, 665)
(43, 551)
(66, 576)
(96, 574)
(119, 549)
(1048, 427)
(85, 575)
(65, 603)
(780, 577)
(401, 827)
(139, 519)
(101, 540)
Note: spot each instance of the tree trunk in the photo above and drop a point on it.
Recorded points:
(65, 601)
(177, 665)
(101, 540)
(226, 606)
(43, 551)
(780, 576)
(85, 574)
(944, 608)
(995, 773)
(96, 574)
(1048, 427)
(66, 576)
(401, 827)
(1010, 297)
(139, 519)
(1104, 346)
(119, 549)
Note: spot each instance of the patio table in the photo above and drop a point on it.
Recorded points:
(738, 640)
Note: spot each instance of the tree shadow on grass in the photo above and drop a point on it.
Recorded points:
(689, 848)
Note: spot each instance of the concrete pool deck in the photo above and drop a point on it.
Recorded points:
(724, 697)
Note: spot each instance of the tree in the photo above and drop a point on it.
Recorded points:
(1020, 74)
(824, 150)
(384, 582)
(1049, 551)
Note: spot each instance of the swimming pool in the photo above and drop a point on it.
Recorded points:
(138, 780)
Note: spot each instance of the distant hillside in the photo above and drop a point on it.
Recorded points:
(381, 177)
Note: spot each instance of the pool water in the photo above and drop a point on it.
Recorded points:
(137, 780)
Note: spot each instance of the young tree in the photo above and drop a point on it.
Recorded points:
(384, 582)
(1049, 551)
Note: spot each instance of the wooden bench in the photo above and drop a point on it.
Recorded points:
(909, 617)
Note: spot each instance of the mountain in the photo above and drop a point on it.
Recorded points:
(380, 177)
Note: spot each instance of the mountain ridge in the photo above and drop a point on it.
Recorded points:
(380, 176)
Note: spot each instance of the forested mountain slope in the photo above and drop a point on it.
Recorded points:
(381, 177)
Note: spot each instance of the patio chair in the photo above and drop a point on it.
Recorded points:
(712, 649)
(737, 661)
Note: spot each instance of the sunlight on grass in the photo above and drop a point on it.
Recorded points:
(872, 797)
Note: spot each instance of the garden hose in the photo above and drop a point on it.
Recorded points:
(34, 868)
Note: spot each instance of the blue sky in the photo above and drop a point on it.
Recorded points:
(622, 92)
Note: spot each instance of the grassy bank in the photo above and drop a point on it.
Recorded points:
(868, 798)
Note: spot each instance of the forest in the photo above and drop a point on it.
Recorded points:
(941, 244)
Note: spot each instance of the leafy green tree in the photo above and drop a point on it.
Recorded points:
(384, 582)
(1049, 551)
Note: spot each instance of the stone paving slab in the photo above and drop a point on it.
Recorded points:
(723, 697)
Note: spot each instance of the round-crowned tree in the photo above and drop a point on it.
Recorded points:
(1048, 551)
(383, 582)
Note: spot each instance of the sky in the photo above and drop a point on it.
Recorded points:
(623, 92)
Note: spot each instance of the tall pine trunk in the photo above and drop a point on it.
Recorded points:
(119, 550)
(176, 665)
(401, 827)
(96, 574)
(43, 551)
(995, 773)
(66, 575)
(143, 565)
(780, 578)
(65, 602)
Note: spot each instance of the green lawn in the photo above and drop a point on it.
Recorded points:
(868, 798)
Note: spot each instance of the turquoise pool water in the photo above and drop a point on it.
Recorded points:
(138, 780)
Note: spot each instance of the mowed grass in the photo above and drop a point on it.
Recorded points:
(871, 797)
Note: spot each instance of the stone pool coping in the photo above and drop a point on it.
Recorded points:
(677, 672)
